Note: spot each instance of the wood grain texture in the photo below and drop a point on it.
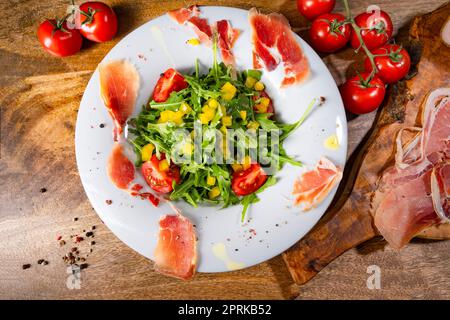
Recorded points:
(39, 101)
(349, 222)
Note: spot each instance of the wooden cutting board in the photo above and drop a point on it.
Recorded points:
(348, 221)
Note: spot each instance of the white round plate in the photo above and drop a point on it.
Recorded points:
(274, 224)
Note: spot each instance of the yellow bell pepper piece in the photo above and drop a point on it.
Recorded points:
(171, 116)
(227, 121)
(193, 42)
(236, 167)
(210, 114)
(214, 193)
(228, 91)
(260, 108)
(246, 162)
(185, 108)
(164, 165)
(164, 116)
(223, 129)
(210, 181)
(253, 125)
(243, 114)
(265, 101)
(212, 103)
(178, 117)
(250, 82)
(259, 86)
(147, 151)
(224, 110)
(204, 119)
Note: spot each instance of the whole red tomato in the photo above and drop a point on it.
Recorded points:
(311, 9)
(393, 65)
(376, 29)
(329, 33)
(98, 21)
(360, 96)
(58, 39)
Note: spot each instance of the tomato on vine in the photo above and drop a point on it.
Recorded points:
(98, 21)
(58, 39)
(311, 9)
(376, 29)
(329, 32)
(361, 94)
(392, 61)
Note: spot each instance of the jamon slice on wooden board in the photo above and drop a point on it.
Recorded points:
(349, 222)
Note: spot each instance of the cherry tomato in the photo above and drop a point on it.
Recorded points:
(376, 29)
(169, 81)
(311, 9)
(270, 108)
(328, 33)
(360, 97)
(58, 39)
(393, 66)
(248, 181)
(160, 181)
(98, 21)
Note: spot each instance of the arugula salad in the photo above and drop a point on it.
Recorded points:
(196, 139)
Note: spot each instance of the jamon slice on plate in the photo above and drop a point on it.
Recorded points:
(119, 85)
(274, 41)
(313, 186)
(202, 29)
(120, 169)
(227, 37)
(176, 253)
(413, 193)
(190, 15)
(184, 14)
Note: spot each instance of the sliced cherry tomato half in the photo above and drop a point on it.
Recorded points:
(248, 181)
(169, 82)
(160, 181)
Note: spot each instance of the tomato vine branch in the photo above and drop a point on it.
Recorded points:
(357, 30)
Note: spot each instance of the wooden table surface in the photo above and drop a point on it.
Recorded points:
(39, 100)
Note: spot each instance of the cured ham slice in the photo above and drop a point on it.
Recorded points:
(119, 85)
(413, 194)
(190, 15)
(274, 42)
(120, 169)
(313, 186)
(406, 210)
(175, 253)
(227, 37)
(184, 14)
(202, 29)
